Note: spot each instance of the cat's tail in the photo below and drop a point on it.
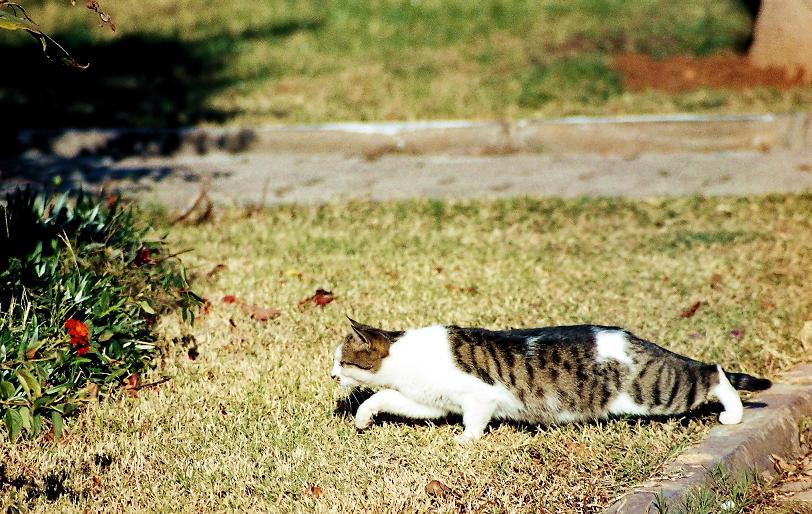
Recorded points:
(745, 382)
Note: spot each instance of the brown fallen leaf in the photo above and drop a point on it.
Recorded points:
(715, 280)
(321, 298)
(471, 290)
(781, 466)
(193, 353)
(215, 270)
(257, 313)
(261, 313)
(437, 488)
(690, 311)
(313, 490)
(131, 385)
(90, 391)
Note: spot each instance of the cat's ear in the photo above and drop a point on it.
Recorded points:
(364, 333)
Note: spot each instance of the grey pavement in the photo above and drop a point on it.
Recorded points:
(277, 178)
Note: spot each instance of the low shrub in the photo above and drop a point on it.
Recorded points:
(80, 289)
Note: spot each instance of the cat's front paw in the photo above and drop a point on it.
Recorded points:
(730, 418)
(363, 418)
(466, 438)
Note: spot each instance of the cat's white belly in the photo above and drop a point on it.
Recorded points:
(426, 373)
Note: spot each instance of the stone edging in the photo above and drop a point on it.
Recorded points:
(613, 135)
(769, 426)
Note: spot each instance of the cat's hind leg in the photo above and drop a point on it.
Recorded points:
(393, 402)
(729, 398)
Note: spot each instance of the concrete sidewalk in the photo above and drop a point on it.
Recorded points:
(634, 156)
(241, 179)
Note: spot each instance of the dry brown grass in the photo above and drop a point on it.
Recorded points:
(250, 424)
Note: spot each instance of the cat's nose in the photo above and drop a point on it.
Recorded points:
(334, 376)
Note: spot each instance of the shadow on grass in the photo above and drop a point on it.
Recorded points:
(132, 81)
(141, 83)
(347, 406)
(138, 80)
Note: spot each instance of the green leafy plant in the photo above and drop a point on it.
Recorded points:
(80, 289)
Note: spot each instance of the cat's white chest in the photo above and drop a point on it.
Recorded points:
(421, 366)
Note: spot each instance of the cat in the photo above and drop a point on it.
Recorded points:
(537, 375)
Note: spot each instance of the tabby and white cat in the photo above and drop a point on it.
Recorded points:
(537, 375)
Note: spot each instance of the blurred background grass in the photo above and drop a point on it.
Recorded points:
(190, 62)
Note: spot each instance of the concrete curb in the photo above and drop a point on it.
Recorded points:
(617, 135)
(769, 426)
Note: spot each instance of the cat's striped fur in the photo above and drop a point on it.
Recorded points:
(539, 375)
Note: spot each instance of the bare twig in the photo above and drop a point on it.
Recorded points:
(165, 257)
(152, 384)
(204, 192)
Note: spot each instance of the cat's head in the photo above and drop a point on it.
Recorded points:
(359, 356)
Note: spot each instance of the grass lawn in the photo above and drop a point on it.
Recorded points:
(249, 424)
(243, 61)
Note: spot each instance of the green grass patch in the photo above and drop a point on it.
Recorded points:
(730, 491)
(248, 421)
(311, 61)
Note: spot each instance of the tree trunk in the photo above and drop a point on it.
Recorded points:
(782, 36)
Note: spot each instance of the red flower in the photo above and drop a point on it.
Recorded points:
(79, 338)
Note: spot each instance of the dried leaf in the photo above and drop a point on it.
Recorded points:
(143, 256)
(215, 270)
(321, 298)
(437, 488)
(229, 298)
(131, 385)
(313, 490)
(261, 313)
(192, 353)
(104, 18)
(90, 391)
(780, 465)
(690, 311)
(715, 280)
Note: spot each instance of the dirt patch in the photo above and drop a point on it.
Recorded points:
(684, 73)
